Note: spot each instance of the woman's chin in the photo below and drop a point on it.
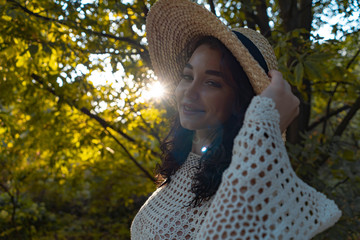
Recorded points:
(199, 127)
(190, 127)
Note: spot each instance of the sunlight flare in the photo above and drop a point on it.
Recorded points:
(155, 91)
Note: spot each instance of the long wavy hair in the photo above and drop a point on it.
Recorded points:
(178, 143)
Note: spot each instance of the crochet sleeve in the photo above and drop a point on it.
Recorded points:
(260, 196)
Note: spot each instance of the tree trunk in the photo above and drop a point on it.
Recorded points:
(298, 16)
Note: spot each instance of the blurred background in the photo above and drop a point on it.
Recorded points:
(82, 114)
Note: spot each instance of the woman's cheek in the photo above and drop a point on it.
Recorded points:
(178, 94)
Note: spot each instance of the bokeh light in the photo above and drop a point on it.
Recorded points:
(155, 91)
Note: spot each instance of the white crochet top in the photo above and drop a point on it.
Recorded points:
(260, 196)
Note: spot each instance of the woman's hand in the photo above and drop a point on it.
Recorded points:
(286, 102)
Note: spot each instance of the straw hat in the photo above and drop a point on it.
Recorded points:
(174, 26)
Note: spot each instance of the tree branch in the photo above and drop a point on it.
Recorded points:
(328, 106)
(340, 183)
(342, 126)
(143, 50)
(147, 174)
(305, 16)
(13, 202)
(289, 14)
(212, 6)
(83, 109)
(151, 130)
(326, 117)
(262, 18)
(321, 160)
(353, 59)
(335, 88)
(102, 122)
(250, 19)
(5, 189)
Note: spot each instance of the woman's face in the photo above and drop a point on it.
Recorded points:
(204, 97)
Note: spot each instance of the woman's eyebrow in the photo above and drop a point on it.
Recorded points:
(188, 65)
(209, 72)
(215, 73)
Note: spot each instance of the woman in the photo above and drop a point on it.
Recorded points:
(227, 174)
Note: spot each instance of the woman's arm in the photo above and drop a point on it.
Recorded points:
(260, 196)
(285, 101)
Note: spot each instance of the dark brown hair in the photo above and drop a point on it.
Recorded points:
(177, 145)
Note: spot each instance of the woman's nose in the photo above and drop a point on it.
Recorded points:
(192, 90)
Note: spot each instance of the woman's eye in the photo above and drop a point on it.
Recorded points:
(213, 84)
(186, 77)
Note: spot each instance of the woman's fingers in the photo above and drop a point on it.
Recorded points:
(286, 102)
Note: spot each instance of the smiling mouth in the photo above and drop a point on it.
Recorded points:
(188, 109)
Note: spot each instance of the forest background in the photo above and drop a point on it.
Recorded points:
(77, 153)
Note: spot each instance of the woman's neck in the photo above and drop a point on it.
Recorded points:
(202, 139)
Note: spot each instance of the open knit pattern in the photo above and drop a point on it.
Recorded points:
(260, 196)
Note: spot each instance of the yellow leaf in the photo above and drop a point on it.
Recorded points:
(299, 73)
(6, 18)
(3, 214)
(64, 170)
(21, 62)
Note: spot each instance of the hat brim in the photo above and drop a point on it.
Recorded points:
(173, 26)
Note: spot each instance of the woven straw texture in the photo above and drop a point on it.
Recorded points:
(173, 26)
(260, 196)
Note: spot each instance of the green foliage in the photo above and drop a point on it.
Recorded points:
(327, 76)
(77, 158)
(335, 176)
(66, 170)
